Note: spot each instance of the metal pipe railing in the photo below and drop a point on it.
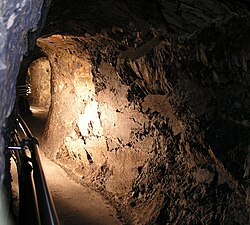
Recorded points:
(28, 205)
(47, 212)
(28, 210)
(46, 207)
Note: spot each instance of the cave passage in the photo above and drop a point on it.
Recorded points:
(75, 202)
(148, 104)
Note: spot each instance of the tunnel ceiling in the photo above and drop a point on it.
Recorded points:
(149, 103)
(169, 16)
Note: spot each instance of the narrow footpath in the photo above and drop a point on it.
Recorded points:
(75, 204)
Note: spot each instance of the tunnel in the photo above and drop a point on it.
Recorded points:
(144, 102)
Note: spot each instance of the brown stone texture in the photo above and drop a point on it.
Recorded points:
(149, 103)
(39, 74)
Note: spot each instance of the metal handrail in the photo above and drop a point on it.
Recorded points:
(47, 213)
(28, 213)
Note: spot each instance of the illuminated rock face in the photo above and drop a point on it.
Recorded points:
(93, 130)
(39, 74)
(155, 119)
(144, 140)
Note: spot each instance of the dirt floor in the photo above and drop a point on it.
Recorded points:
(75, 204)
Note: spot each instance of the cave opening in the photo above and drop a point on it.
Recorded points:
(147, 106)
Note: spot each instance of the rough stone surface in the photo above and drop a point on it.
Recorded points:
(39, 74)
(155, 119)
(17, 18)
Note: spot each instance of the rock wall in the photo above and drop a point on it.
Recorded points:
(39, 73)
(17, 18)
(147, 104)
(158, 96)
(163, 131)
